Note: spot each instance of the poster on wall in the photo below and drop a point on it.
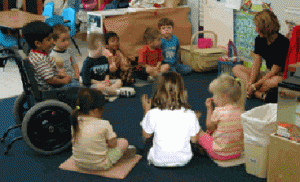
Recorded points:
(251, 7)
(244, 28)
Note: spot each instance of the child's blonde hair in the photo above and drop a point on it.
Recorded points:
(94, 40)
(235, 89)
(151, 34)
(170, 92)
(59, 29)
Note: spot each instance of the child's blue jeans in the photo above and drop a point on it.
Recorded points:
(73, 83)
(180, 68)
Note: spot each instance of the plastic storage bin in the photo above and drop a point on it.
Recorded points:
(226, 66)
(258, 124)
(256, 159)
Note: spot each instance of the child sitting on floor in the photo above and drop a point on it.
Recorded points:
(124, 69)
(170, 47)
(172, 122)
(224, 138)
(96, 69)
(150, 56)
(61, 40)
(94, 143)
(38, 35)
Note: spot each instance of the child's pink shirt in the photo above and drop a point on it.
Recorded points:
(228, 138)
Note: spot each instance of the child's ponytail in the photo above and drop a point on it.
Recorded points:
(75, 124)
(242, 100)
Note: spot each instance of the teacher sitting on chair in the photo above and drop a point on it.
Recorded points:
(273, 47)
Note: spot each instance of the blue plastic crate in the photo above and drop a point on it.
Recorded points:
(226, 67)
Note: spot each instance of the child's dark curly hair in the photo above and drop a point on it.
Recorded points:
(36, 31)
(109, 35)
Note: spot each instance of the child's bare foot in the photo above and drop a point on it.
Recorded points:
(201, 133)
(260, 95)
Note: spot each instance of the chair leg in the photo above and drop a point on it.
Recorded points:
(76, 45)
(10, 144)
(7, 131)
(5, 62)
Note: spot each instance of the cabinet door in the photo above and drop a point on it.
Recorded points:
(218, 19)
(284, 160)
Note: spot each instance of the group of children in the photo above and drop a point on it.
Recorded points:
(169, 117)
(168, 114)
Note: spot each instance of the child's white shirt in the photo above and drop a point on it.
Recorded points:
(172, 130)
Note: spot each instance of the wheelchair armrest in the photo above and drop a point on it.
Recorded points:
(66, 95)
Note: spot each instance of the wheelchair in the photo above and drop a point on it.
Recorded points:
(43, 116)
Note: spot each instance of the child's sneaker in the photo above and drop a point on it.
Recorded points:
(130, 153)
(110, 98)
(150, 79)
(127, 92)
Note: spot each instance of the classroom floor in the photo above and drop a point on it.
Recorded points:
(10, 79)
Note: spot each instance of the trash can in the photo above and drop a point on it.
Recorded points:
(258, 123)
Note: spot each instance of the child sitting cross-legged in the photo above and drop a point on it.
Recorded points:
(61, 51)
(171, 121)
(115, 57)
(224, 138)
(95, 145)
(150, 56)
(170, 47)
(96, 70)
(38, 35)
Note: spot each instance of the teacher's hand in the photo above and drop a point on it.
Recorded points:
(250, 89)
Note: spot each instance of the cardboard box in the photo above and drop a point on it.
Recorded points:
(256, 160)
(284, 160)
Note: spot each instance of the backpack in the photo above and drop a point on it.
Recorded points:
(89, 5)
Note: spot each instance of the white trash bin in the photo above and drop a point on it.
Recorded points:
(258, 124)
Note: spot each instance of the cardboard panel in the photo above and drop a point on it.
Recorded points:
(284, 160)
(131, 27)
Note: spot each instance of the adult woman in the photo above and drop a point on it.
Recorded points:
(273, 47)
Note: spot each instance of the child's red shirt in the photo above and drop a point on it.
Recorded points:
(150, 57)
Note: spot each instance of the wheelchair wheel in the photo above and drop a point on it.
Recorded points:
(46, 127)
(20, 108)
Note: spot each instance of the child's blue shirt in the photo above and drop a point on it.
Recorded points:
(170, 49)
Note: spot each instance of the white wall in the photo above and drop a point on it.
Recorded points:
(279, 9)
(194, 14)
(219, 20)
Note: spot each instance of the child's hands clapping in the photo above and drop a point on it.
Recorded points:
(131, 58)
(112, 65)
(209, 103)
(146, 103)
(158, 65)
(107, 53)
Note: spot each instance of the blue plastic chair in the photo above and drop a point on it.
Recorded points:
(69, 15)
(55, 20)
(49, 9)
(7, 42)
